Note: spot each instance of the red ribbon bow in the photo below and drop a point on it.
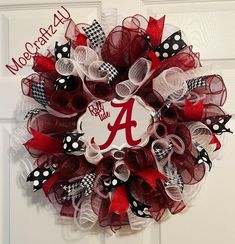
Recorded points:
(44, 143)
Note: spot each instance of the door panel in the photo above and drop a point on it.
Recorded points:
(206, 26)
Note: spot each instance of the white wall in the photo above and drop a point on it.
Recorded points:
(210, 27)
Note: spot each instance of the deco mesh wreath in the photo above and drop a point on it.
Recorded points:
(126, 124)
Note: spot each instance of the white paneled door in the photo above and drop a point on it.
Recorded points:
(209, 26)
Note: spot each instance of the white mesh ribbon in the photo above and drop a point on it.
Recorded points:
(202, 135)
(171, 84)
(83, 57)
(93, 154)
(66, 66)
(162, 150)
(125, 88)
(86, 63)
(174, 185)
(86, 218)
(137, 223)
(95, 74)
(138, 75)
(121, 171)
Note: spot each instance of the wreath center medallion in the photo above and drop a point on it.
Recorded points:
(116, 123)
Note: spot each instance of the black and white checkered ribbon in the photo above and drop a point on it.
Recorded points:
(161, 153)
(110, 69)
(72, 191)
(165, 106)
(87, 183)
(33, 112)
(95, 34)
(196, 82)
(174, 178)
(39, 93)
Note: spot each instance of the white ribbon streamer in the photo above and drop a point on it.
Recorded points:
(86, 218)
(138, 75)
(93, 154)
(171, 84)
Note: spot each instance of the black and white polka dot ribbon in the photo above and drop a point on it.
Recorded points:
(119, 176)
(95, 34)
(162, 153)
(111, 182)
(195, 83)
(33, 112)
(73, 144)
(39, 176)
(106, 67)
(62, 50)
(217, 124)
(171, 46)
(138, 208)
(87, 183)
(38, 93)
(203, 156)
(66, 83)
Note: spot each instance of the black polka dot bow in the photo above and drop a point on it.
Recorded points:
(203, 156)
(138, 208)
(66, 83)
(217, 124)
(111, 182)
(39, 176)
(62, 50)
(171, 46)
(73, 144)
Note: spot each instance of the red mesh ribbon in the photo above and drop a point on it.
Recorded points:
(45, 123)
(67, 103)
(44, 143)
(151, 176)
(73, 34)
(45, 65)
(193, 112)
(119, 203)
(138, 159)
(154, 31)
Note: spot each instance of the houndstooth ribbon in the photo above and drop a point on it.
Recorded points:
(110, 69)
(161, 153)
(38, 93)
(95, 34)
(33, 112)
(72, 191)
(196, 82)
